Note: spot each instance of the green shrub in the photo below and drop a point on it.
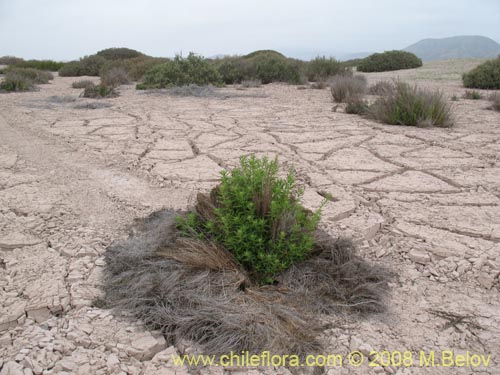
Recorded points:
(344, 87)
(33, 75)
(233, 69)
(134, 68)
(82, 84)
(409, 105)
(71, 69)
(258, 218)
(472, 94)
(10, 60)
(91, 65)
(322, 68)
(86, 66)
(119, 53)
(389, 60)
(484, 76)
(265, 66)
(181, 72)
(49, 65)
(99, 91)
(271, 68)
(14, 81)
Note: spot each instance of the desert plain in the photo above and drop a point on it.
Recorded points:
(75, 173)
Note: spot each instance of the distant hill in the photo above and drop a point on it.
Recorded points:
(456, 47)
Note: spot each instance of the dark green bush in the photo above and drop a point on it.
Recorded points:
(472, 94)
(270, 68)
(99, 91)
(119, 53)
(265, 66)
(264, 52)
(71, 69)
(259, 218)
(409, 105)
(233, 69)
(484, 76)
(322, 68)
(345, 86)
(86, 66)
(49, 65)
(10, 60)
(181, 72)
(389, 60)
(82, 84)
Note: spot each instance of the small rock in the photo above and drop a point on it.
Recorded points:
(419, 256)
(486, 281)
(12, 368)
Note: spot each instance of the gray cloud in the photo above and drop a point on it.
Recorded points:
(68, 29)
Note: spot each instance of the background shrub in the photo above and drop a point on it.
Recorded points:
(389, 60)
(233, 69)
(409, 105)
(87, 66)
(180, 72)
(266, 66)
(345, 86)
(273, 68)
(119, 53)
(33, 75)
(484, 76)
(10, 60)
(258, 218)
(49, 65)
(264, 52)
(322, 68)
(71, 69)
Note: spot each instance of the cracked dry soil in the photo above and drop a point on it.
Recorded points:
(424, 202)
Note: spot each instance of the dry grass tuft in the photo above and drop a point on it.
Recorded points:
(194, 290)
(344, 87)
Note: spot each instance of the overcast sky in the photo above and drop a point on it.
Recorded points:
(68, 29)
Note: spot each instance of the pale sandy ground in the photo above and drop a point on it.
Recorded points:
(424, 202)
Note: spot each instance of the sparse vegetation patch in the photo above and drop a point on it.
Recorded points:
(472, 94)
(99, 91)
(410, 105)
